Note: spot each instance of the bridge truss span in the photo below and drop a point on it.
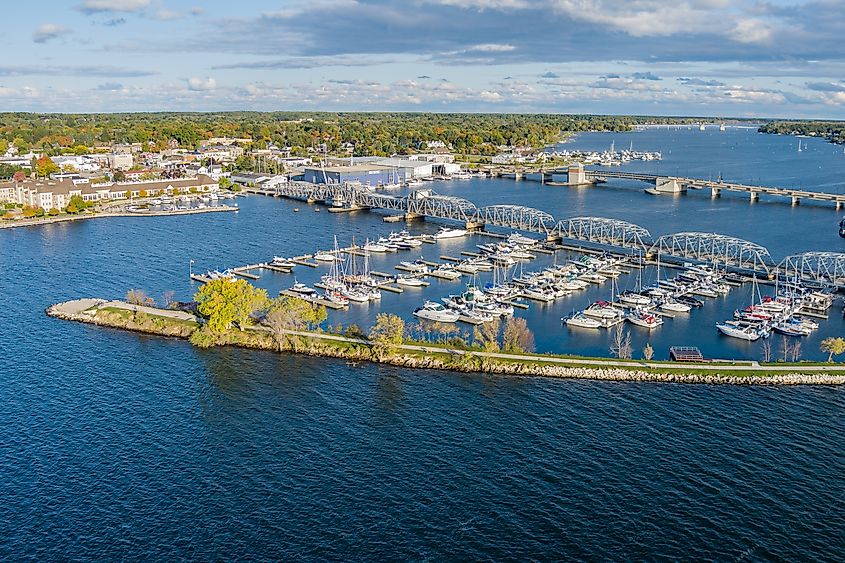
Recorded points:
(517, 217)
(820, 267)
(715, 248)
(442, 206)
(602, 230)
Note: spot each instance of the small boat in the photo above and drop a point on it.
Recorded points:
(326, 257)
(446, 273)
(446, 232)
(787, 329)
(633, 298)
(414, 267)
(742, 332)
(602, 310)
(842, 228)
(409, 281)
(355, 294)
(644, 319)
(689, 300)
(375, 247)
(433, 311)
(282, 262)
(580, 320)
(674, 306)
(302, 289)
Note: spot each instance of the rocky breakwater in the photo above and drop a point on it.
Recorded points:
(117, 314)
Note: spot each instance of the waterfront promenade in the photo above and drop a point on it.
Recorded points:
(424, 355)
(47, 220)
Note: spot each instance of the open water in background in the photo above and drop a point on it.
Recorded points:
(119, 446)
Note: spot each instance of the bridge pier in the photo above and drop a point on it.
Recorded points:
(838, 205)
(754, 196)
(412, 216)
(796, 200)
(669, 186)
(473, 226)
(715, 192)
(554, 238)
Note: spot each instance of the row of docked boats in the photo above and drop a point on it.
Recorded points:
(473, 306)
(779, 314)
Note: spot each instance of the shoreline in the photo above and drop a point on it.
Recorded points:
(172, 323)
(11, 224)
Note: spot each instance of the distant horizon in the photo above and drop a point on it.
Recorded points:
(418, 112)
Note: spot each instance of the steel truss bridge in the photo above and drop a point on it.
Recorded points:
(710, 248)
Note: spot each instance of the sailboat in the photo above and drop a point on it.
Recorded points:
(799, 146)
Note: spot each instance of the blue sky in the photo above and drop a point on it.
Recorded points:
(774, 58)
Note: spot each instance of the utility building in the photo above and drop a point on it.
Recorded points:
(367, 174)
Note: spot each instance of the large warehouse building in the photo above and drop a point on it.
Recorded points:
(367, 174)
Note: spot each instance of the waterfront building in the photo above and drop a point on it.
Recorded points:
(56, 194)
(366, 174)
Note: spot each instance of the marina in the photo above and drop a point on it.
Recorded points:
(545, 313)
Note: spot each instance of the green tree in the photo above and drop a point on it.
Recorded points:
(387, 334)
(76, 204)
(119, 176)
(53, 212)
(224, 183)
(833, 346)
(226, 302)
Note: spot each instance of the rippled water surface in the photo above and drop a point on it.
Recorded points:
(120, 446)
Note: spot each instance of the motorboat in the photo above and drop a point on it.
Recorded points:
(689, 300)
(644, 319)
(602, 310)
(737, 330)
(414, 267)
(633, 298)
(580, 320)
(474, 316)
(674, 306)
(326, 257)
(409, 281)
(374, 247)
(446, 273)
(355, 294)
(538, 293)
(335, 297)
(446, 232)
(433, 311)
(282, 262)
(302, 289)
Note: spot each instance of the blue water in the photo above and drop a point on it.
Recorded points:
(119, 446)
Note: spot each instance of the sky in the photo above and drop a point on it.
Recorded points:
(776, 58)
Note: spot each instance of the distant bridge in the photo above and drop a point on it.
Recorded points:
(674, 184)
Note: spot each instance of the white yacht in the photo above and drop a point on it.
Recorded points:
(375, 247)
(326, 257)
(409, 281)
(580, 320)
(433, 311)
(302, 289)
(736, 330)
(446, 232)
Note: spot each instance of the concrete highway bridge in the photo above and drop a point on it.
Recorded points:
(672, 184)
(614, 234)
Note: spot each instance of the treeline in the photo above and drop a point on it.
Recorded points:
(833, 131)
(370, 133)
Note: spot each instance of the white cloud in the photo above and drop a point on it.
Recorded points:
(167, 15)
(201, 84)
(492, 48)
(48, 31)
(94, 6)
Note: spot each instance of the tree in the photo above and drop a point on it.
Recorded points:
(76, 204)
(44, 167)
(833, 346)
(224, 183)
(19, 176)
(288, 314)
(620, 345)
(53, 212)
(139, 297)
(28, 212)
(119, 176)
(517, 336)
(767, 351)
(167, 298)
(486, 335)
(226, 302)
(387, 334)
(648, 352)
